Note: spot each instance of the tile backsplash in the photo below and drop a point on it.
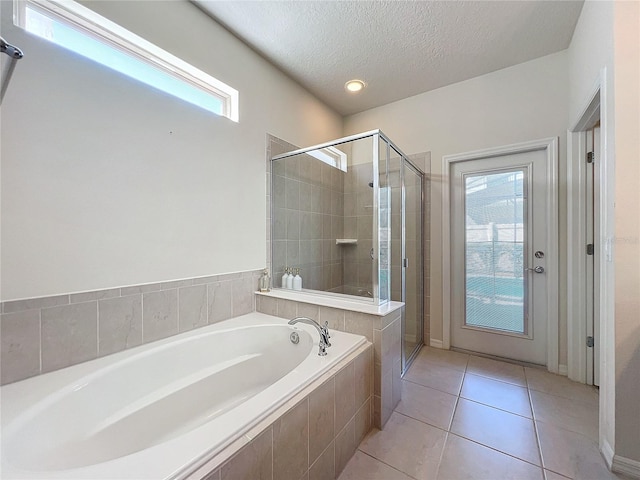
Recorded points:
(40, 335)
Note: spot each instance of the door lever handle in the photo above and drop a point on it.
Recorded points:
(537, 269)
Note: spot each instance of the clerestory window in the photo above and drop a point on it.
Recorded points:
(80, 29)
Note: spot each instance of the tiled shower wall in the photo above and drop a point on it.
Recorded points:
(44, 334)
(308, 205)
(358, 224)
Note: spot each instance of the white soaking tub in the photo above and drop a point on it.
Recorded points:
(163, 409)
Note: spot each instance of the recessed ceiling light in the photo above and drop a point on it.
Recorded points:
(354, 86)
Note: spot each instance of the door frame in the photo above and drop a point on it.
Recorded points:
(550, 146)
(577, 352)
(405, 162)
(599, 97)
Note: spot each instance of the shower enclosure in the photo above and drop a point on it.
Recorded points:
(349, 215)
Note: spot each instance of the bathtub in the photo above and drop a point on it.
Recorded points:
(164, 409)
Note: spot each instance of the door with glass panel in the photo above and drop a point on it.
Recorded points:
(407, 273)
(498, 220)
(413, 272)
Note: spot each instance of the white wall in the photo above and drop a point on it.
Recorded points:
(607, 37)
(520, 103)
(590, 54)
(627, 230)
(106, 182)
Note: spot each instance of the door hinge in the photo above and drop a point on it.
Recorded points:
(589, 341)
(405, 262)
(590, 157)
(589, 248)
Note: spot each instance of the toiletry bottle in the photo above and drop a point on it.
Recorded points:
(264, 281)
(285, 276)
(297, 281)
(290, 280)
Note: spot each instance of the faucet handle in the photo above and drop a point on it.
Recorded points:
(325, 330)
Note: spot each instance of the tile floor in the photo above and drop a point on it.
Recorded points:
(467, 417)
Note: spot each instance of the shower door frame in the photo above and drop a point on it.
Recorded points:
(407, 359)
(376, 135)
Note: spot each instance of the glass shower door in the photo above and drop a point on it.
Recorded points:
(413, 264)
(407, 273)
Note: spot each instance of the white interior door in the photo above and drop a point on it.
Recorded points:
(499, 217)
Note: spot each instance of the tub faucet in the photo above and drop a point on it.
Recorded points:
(323, 330)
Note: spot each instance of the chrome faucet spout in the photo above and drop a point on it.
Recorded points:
(323, 331)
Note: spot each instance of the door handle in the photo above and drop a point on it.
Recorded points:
(537, 269)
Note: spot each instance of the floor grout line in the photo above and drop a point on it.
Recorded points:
(495, 449)
(448, 433)
(497, 408)
(535, 429)
(433, 388)
(385, 463)
(476, 374)
(422, 421)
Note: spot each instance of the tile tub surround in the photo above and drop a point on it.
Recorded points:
(382, 328)
(40, 335)
(312, 436)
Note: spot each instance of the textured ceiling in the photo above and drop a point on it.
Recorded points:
(400, 48)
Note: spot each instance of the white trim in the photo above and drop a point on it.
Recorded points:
(626, 466)
(576, 237)
(606, 314)
(550, 145)
(110, 33)
(435, 343)
(562, 369)
(576, 326)
(331, 156)
(607, 453)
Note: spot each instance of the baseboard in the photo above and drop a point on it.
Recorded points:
(607, 453)
(563, 370)
(435, 343)
(626, 466)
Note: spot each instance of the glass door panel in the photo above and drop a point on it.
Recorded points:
(413, 264)
(495, 246)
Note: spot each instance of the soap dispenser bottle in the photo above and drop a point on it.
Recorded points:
(290, 280)
(285, 277)
(264, 281)
(297, 281)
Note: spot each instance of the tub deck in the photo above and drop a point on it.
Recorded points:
(161, 410)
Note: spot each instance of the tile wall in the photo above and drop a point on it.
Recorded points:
(308, 205)
(315, 437)
(356, 269)
(358, 224)
(383, 331)
(44, 334)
